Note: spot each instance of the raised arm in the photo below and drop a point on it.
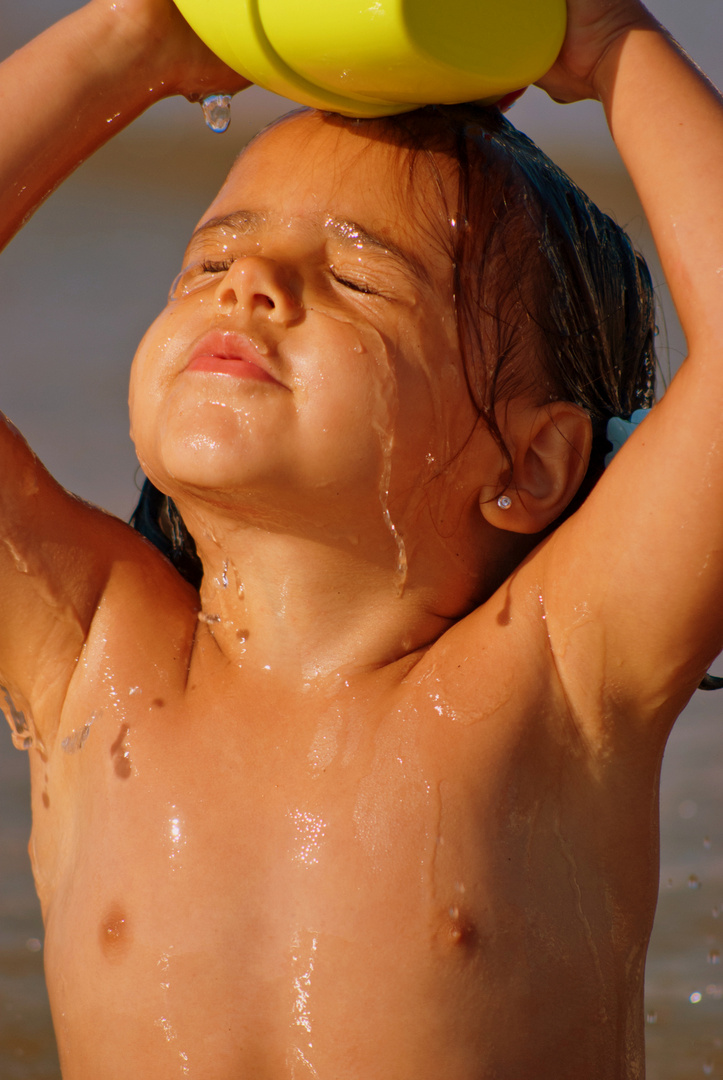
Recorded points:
(644, 556)
(88, 77)
(667, 122)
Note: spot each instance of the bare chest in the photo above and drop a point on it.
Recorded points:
(294, 872)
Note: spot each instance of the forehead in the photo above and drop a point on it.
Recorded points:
(307, 167)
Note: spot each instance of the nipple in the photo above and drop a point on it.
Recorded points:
(114, 933)
(217, 112)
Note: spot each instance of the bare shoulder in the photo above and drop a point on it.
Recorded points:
(497, 660)
(513, 662)
(64, 564)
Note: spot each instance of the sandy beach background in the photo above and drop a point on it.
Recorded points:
(77, 289)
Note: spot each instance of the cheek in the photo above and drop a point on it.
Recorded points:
(137, 399)
(346, 391)
(149, 375)
(436, 413)
(455, 414)
(339, 416)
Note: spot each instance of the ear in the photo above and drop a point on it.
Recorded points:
(550, 447)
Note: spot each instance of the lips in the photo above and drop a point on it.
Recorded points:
(230, 354)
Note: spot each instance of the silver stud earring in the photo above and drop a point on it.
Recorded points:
(504, 502)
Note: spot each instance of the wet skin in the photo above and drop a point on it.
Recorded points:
(331, 825)
(397, 874)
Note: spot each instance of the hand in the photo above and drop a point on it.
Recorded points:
(95, 71)
(592, 28)
(175, 56)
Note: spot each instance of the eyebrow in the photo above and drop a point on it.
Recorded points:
(245, 221)
(351, 234)
(348, 233)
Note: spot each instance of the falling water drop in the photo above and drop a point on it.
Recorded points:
(217, 111)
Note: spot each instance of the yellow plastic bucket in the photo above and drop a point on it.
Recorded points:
(378, 57)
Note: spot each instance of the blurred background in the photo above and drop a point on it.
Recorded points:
(78, 288)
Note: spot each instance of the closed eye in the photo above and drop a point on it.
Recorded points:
(194, 276)
(208, 266)
(358, 285)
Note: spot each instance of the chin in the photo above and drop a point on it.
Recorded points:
(207, 447)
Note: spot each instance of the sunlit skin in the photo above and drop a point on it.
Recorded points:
(381, 802)
(357, 435)
(343, 830)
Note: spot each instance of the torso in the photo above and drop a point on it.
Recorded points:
(396, 876)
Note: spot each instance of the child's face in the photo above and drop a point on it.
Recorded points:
(309, 346)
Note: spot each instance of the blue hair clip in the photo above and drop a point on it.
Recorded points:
(619, 431)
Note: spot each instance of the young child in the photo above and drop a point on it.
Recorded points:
(379, 800)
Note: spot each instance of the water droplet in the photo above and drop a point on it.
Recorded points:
(120, 752)
(402, 567)
(695, 997)
(167, 1027)
(714, 956)
(687, 809)
(694, 882)
(714, 990)
(708, 1068)
(21, 722)
(209, 620)
(706, 843)
(715, 912)
(33, 944)
(77, 738)
(651, 1018)
(217, 112)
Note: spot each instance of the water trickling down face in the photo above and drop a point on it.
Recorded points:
(307, 365)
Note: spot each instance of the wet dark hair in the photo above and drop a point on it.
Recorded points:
(157, 518)
(551, 297)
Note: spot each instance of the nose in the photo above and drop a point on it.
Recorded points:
(258, 285)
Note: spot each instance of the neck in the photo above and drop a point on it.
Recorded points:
(308, 606)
